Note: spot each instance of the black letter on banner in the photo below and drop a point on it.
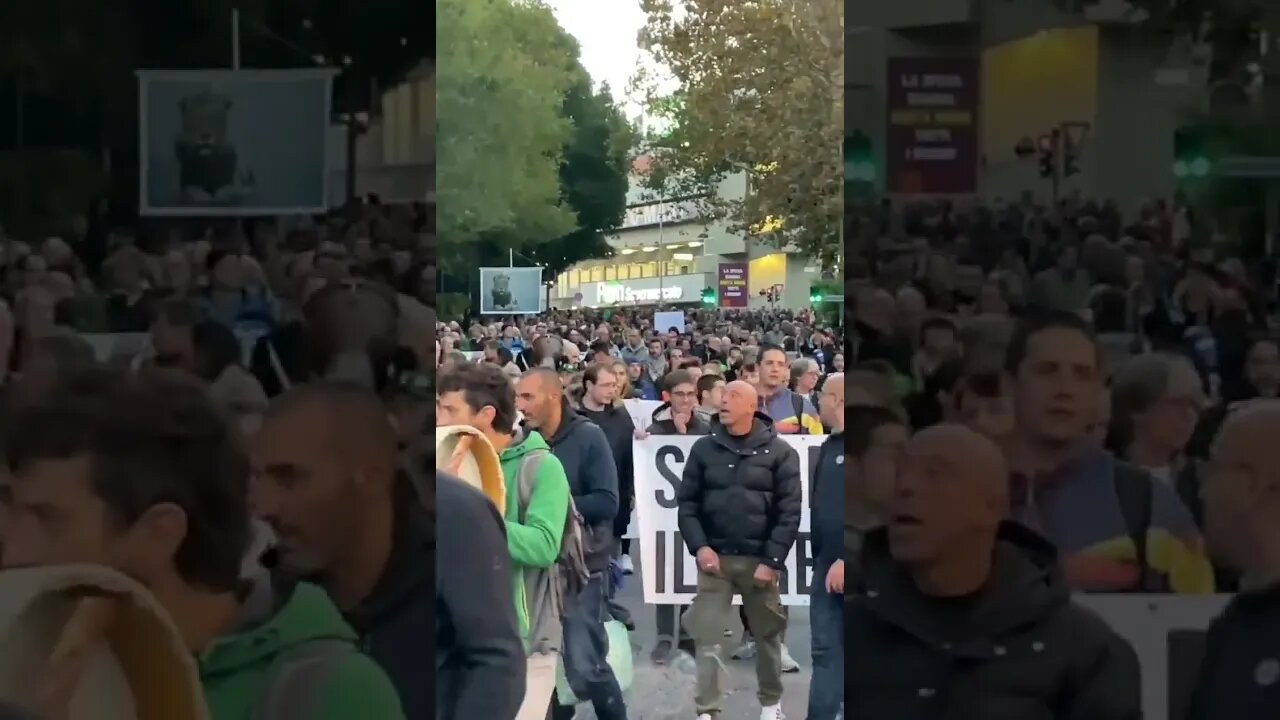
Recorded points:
(677, 559)
(803, 561)
(664, 453)
(660, 560)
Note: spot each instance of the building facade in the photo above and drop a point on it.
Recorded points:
(667, 253)
(1038, 67)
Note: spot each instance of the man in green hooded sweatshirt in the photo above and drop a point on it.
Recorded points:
(143, 474)
(479, 395)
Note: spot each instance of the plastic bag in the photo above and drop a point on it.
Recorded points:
(619, 660)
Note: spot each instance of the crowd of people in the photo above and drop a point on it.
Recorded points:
(547, 392)
(235, 418)
(1049, 400)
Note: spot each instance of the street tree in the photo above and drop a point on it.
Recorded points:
(760, 91)
(593, 177)
(502, 130)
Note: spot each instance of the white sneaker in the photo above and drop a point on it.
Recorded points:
(789, 664)
(628, 567)
(772, 712)
(746, 651)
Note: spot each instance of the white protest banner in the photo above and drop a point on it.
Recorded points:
(1167, 633)
(669, 574)
(641, 411)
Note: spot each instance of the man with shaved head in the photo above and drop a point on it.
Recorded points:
(1240, 676)
(325, 478)
(740, 501)
(958, 613)
(583, 450)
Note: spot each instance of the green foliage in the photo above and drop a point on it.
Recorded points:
(501, 130)
(761, 88)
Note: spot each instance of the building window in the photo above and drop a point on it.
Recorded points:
(562, 282)
(611, 273)
(649, 269)
(597, 274)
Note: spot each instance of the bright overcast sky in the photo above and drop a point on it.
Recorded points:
(606, 30)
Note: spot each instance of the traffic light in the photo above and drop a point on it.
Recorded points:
(1048, 156)
(1070, 157)
(859, 165)
(1190, 154)
(815, 294)
(709, 296)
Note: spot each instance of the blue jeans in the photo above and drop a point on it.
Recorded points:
(586, 649)
(826, 623)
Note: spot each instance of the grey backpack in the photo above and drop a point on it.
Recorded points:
(546, 588)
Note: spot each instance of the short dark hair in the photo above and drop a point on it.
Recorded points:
(599, 346)
(770, 347)
(676, 377)
(504, 355)
(216, 346)
(937, 323)
(690, 362)
(1040, 322)
(482, 384)
(707, 383)
(151, 437)
(861, 423)
(748, 367)
(592, 373)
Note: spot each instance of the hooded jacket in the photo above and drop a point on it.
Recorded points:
(583, 450)
(826, 506)
(741, 496)
(536, 542)
(662, 424)
(278, 616)
(1018, 649)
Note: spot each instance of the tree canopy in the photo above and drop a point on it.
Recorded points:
(532, 158)
(761, 88)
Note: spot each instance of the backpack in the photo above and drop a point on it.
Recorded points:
(546, 588)
(295, 677)
(1134, 491)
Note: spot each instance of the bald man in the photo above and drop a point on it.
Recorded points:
(1240, 676)
(740, 500)
(325, 478)
(958, 613)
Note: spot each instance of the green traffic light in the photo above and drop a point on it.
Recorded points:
(709, 297)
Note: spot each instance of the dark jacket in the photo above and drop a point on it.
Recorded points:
(480, 659)
(742, 496)
(662, 424)
(1240, 650)
(583, 450)
(1019, 649)
(826, 507)
(619, 430)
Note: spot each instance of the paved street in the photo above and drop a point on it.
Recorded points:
(666, 692)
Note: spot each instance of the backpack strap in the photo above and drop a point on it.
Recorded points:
(1134, 491)
(797, 403)
(527, 478)
(293, 690)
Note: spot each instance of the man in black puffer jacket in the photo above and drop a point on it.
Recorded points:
(958, 615)
(740, 503)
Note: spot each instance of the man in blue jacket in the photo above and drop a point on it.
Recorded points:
(826, 596)
(583, 450)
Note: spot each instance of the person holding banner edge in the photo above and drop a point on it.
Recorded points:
(739, 512)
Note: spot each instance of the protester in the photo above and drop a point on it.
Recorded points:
(480, 664)
(537, 495)
(740, 502)
(327, 480)
(710, 397)
(583, 450)
(153, 483)
(791, 412)
(876, 438)
(961, 613)
(601, 405)
(827, 526)
(1054, 362)
(1242, 503)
